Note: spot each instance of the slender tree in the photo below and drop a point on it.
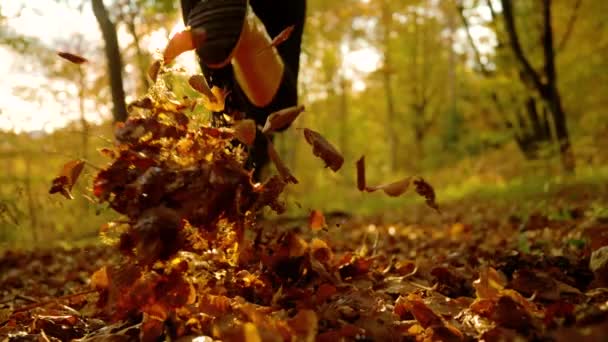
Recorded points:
(545, 82)
(114, 60)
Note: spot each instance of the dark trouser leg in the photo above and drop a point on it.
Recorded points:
(276, 15)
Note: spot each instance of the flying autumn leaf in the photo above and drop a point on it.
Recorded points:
(154, 69)
(282, 118)
(144, 102)
(280, 38)
(316, 220)
(183, 41)
(361, 173)
(199, 83)
(425, 190)
(284, 171)
(218, 104)
(324, 150)
(72, 57)
(398, 188)
(245, 131)
(394, 189)
(67, 178)
(100, 279)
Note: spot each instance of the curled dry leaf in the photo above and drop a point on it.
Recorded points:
(316, 220)
(282, 118)
(489, 284)
(421, 312)
(244, 131)
(144, 102)
(154, 69)
(76, 59)
(324, 150)
(305, 324)
(284, 171)
(67, 178)
(199, 83)
(150, 328)
(100, 279)
(280, 38)
(320, 250)
(361, 185)
(397, 188)
(394, 189)
(183, 41)
(425, 190)
(250, 333)
(217, 102)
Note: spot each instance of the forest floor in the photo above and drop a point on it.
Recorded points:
(482, 268)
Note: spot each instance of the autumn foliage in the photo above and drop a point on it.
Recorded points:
(195, 261)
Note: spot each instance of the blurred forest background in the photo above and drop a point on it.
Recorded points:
(476, 96)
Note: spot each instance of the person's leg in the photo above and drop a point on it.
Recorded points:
(278, 15)
(223, 20)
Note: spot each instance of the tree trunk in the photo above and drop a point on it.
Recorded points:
(83, 119)
(114, 60)
(552, 96)
(344, 115)
(139, 55)
(546, 88)
(561, 131)
(388, 89)
(453, 116)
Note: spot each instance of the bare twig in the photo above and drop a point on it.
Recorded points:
(569, 26)
(51, 301)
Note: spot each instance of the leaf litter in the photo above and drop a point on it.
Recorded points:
(192, 262)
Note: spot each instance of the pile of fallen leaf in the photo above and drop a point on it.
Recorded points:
(467, 276)
(194, 262)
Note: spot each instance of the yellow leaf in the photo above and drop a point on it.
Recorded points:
(245, 131)
(100, 279)
(316, 220)
(219, 103)
(251, 333)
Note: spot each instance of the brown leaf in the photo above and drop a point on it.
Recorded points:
(280, 38)
(394, 189)
(361, 174)
(153, 70)
(67, 178)
(324, 292)
(282, 118)
(151, 328)
(305, 324)
(421, 312)
(489, 284)
(324, 150)
(425, 190)
(244, 131)
(214, 304)
(199, 83)
(183, 41)
(280, 165)
(251, 333)
(218, 101)
(511, 314)
(76, 59)
(144, 102)
(321, 251)
(316, 220)
(100, 279)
